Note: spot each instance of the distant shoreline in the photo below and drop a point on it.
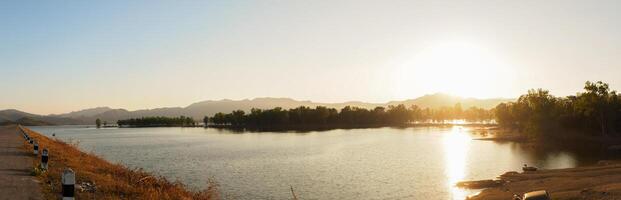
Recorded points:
(154, 126)
(325, 127)
(299, 127)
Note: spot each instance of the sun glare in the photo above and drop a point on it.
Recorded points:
(457, 68)
(456, 146)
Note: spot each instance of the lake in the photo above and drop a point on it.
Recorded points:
(375, 163)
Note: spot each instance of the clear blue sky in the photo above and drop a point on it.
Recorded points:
(59, 56)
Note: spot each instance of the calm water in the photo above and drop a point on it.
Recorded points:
(379, 163)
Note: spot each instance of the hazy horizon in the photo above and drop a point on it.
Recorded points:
(58, 58)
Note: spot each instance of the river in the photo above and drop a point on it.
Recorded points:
(375, 163)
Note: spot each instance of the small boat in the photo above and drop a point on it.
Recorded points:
(527, 168)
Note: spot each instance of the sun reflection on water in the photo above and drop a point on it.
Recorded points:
(456, 146)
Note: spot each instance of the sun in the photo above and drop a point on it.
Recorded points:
(458, 68)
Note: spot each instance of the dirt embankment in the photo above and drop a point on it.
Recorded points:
(602, 181)
(97, 178)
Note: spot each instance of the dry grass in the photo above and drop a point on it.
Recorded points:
(113, 181)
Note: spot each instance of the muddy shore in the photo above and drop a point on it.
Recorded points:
(602, 181)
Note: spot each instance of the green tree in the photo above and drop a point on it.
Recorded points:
(597, 110)
(206, 120)
(599, 103)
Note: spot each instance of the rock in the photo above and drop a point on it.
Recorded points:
(87, 187)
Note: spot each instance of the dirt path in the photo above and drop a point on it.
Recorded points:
(15, 166)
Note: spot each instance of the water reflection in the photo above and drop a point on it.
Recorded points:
(456, 146)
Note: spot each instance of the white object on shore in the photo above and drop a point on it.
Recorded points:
(537, 195)
(68, 184)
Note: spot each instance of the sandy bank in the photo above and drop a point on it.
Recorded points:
(602, 181)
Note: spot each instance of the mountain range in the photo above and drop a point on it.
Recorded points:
(208, 108)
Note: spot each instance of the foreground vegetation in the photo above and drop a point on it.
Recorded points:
(111, 181)
(594, 112)
(157, 122)
(321, 116)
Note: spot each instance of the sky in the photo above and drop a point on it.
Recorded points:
(57, 57)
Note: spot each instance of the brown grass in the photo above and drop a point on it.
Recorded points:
(113, 181)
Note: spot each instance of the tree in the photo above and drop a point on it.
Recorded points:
(457, 111)
(157, 121)
(98, 122)
(599, 103)
(541, 111)
(238, 117)
(503, 115)
(597, 110)
(399, 114)
(348, 115)
(206, 120)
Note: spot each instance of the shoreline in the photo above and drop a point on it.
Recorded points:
(601, 181)
(326, 127)
(98, 178)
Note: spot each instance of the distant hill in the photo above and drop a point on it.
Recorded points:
(13, 116)
(213, 107)
(113, 115)
(441, 100)
(200, 109)
(28, 121)
(85, 113)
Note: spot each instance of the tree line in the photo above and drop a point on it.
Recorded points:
(320, 115)
(594, 111)
(157, 121)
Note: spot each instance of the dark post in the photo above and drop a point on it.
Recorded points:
(44, 159)
(36, 148)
